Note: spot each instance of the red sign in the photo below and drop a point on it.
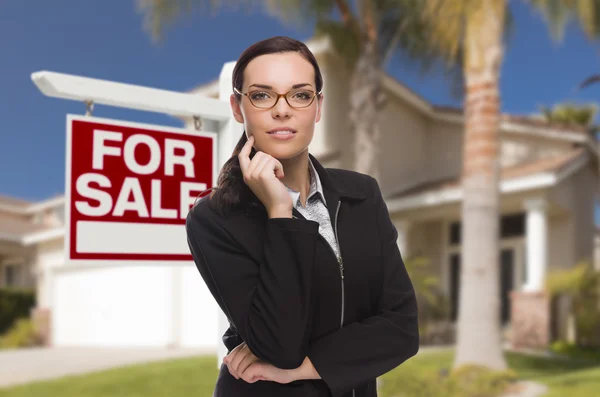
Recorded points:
(129, 188)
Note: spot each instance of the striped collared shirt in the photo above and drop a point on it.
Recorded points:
(316, 208)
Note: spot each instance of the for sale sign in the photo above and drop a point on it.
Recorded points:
(129, 188)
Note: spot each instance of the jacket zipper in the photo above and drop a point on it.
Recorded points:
(340, 261)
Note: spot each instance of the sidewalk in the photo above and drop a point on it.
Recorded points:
(20, 366)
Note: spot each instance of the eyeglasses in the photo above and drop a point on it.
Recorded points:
(267, 99)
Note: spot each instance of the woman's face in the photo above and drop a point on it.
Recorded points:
(283, 132)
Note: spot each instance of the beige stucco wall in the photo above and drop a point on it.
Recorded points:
(517, 148)
(561, 253)
(443, 158)
(572, 226)
(331, 133)
(403, 146)
(582, 188)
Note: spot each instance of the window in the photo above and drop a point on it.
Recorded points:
(512, 225)
(11, 275)
(455, 233)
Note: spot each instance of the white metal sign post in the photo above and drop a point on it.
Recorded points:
(95, 232)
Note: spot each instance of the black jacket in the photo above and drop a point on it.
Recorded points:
(287, 297)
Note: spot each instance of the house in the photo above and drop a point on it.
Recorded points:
(549, 182)
(548, 190)
(31, 242)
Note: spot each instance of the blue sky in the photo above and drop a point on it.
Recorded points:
(106, 40)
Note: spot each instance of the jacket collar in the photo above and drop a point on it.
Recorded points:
(335, 186)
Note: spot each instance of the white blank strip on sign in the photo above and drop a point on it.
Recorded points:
(130, 238)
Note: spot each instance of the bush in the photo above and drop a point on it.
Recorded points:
(14, 304)
(434, 306)
(574, 351)
(22, 334)
(466, 381)
(581, 284)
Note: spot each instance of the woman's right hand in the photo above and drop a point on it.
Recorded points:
(263, 174)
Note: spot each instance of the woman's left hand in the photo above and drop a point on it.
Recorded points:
(242, 363)
(260, 370)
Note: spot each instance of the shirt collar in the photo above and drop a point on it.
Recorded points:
(315, 187)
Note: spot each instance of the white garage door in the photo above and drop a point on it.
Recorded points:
(128, 305)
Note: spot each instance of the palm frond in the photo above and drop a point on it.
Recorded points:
(300, 11)
(160, 13)
(589, 81)
(558, 14)
(569, 113)
(344, 38)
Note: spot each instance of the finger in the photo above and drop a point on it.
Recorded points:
(228, 358)
(246, 362)
(265, 164)
(256, 161)
(253, 373)
(244, 155)
(235, 363)
(233, 372)
(278, 169)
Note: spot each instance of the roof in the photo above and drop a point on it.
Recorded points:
(16, 225)
(23, 207)
(13, 201)
(19, 227)
(531, 121)
(555, 164)
(22, 232)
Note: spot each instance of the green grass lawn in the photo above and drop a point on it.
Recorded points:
(189, 377)
(563, 377)
(197, 376)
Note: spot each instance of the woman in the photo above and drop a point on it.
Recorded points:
(303, 260)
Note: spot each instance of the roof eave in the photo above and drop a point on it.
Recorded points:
(541, 180)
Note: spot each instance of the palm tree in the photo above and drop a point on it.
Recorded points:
(479, 25)
(573, 114)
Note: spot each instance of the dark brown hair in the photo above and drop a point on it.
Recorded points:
(231, 191)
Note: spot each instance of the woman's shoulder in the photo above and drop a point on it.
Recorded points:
(353, 182)
(206, 216)
(203, 215)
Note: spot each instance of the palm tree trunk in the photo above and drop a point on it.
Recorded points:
(479, 334)
(365, 94)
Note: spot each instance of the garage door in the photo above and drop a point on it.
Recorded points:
(145, 305)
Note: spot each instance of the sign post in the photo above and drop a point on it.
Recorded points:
(129, 185)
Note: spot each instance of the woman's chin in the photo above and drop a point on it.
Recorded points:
(283, 152)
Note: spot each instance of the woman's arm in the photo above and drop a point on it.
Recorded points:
(362, 351)
(268, 303)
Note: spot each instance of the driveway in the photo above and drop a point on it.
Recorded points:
(20, 366)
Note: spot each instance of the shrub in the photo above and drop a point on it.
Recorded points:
(434, 306)
(574, 351)
(14, 304)
(581, 284)
(22, 334)
(466, 381)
